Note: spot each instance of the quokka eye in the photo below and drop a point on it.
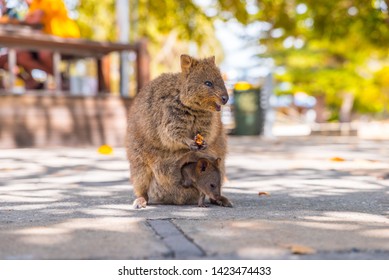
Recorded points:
(208, 83)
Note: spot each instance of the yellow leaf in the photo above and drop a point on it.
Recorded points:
(301, 250)
(105, 150)
(337, 159)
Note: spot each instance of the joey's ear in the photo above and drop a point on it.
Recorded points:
(202, 165)
(217, 162)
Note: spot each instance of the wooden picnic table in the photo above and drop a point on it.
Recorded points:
(14, 36)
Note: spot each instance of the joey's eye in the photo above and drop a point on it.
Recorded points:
(208, 83)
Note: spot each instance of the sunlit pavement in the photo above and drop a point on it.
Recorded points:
(325, 198)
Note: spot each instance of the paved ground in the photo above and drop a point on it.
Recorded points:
(76, 204)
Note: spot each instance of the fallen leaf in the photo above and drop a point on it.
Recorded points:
(301, 250)
(105, 150)
(383, 176)
(6, 169)
(263, 193)
(337, 159)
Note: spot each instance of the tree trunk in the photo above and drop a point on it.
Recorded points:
(347, 106)
(320, 108)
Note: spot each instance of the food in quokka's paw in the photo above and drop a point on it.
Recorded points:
(199, 139)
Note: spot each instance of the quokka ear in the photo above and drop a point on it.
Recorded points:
(188, 176)
(187, 62)
(202, 165)
(212, 59)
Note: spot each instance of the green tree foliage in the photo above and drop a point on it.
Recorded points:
(171, 26)
(326, 47)
(333, 20)
(96, 19)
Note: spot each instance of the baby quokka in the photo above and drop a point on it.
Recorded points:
(203, 173)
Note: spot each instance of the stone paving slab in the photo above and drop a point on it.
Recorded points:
(81, 238)
(181, 247)
(330, 195)
(253, 239)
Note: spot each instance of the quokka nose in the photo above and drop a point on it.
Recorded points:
(225, 99)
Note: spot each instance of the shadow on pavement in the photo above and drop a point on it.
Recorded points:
(76, 204)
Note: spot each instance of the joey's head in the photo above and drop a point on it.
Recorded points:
(208, 177)
(203, 86)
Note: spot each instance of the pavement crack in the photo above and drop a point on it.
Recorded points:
(175, 239)
(189, 238)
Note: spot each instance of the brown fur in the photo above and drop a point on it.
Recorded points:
(163, 121)
(200, 176)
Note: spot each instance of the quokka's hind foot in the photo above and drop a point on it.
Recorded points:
(139, 203)
(223, 201)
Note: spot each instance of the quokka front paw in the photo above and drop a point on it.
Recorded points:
(203, 146)
(195, 147)
(139, 203)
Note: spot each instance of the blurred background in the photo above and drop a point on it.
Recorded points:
(313, 66)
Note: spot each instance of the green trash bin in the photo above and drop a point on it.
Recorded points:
(249, 117)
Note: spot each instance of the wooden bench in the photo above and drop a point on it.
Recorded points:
(25, 38)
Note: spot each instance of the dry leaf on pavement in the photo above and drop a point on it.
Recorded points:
(263, 193)
(337, 159)
(301, 250)
(383, 176)
(105, 150)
